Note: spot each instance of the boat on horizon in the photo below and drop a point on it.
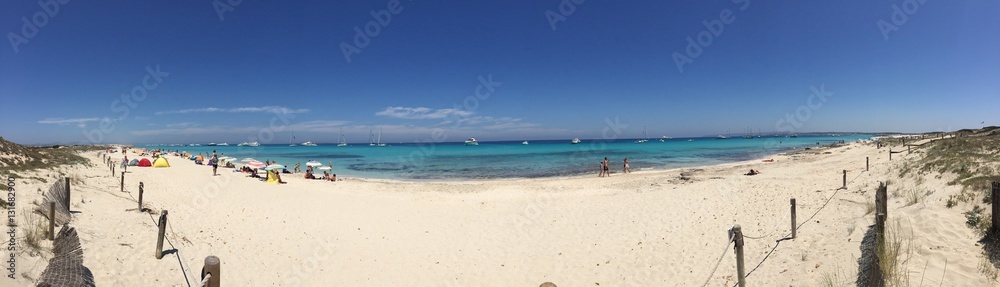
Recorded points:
(308, 143)
(471, 142)
(223, 144)
(342, 142)
(524, 142)
(644, 136)
(575, 141)
(249, 144)
(379, 142)
(290, 143)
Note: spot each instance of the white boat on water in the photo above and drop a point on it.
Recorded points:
(379, 142)
(249, 144)
(308, 143)
(223, 144)
(290, 143)
(524, 142)
(644, 136)
(342, 142)
(471, 141)
(575, 141)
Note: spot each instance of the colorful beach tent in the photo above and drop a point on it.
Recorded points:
(134, 162)
(145, 163)
(161, 162)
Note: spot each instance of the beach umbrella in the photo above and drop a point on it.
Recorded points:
(325, 168)
(256, 164)
(248, 160)
(313, 163)
(274, 166)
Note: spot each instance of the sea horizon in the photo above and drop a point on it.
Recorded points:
(513, 159)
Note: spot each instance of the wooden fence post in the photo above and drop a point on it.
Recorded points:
(66, 200)
(159, 238)
(738, 239)
(123, 182)
(866, 163)
(112, 169)
(996, 205)
(845, 179)
(793, 217)
(907, 149)
(890, 153)
(212, 266)
(52, 220)
(140, 196)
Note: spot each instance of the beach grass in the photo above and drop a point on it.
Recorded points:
(16, 157)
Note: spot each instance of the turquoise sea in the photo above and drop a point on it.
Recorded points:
(512, 159)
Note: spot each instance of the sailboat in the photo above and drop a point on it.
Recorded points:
(291, 141)
(380, 138)
(722, 137)
(643, 136)
(342, 142)
(749, 134)
(371, 138)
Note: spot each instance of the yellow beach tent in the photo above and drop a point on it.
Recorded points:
(161, 162)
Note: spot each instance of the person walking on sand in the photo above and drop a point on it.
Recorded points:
(296, 169)
(626, 169)
(600, 168)
(215, 163)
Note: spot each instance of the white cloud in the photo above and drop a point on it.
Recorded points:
(80, 122)
(265, 109)
(422, 113)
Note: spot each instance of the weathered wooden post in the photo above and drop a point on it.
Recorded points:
(845, 180)
(123, 182)
(212, 268)
(112, 169)
(140, 196)
(66, 200)
(793, 217)
(738, 239)
(907, 149)
(866, 163)
(890, 153)
(996, 205)
(52, 220)
(159, 238)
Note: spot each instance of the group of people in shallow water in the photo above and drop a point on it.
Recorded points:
(605, 169)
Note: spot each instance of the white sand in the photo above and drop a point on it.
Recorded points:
(641, 229)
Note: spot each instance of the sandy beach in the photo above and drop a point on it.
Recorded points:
(648, 228)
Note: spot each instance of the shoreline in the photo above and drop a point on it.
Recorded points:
(647, 228)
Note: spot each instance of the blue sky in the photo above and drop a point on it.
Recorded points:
(267, 70)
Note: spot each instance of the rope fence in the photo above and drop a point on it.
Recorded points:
(739, 236)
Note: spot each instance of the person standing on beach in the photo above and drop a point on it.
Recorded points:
(600, 168)
(215, 163)
(297, 167)
(607, 167)
(625, 169)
